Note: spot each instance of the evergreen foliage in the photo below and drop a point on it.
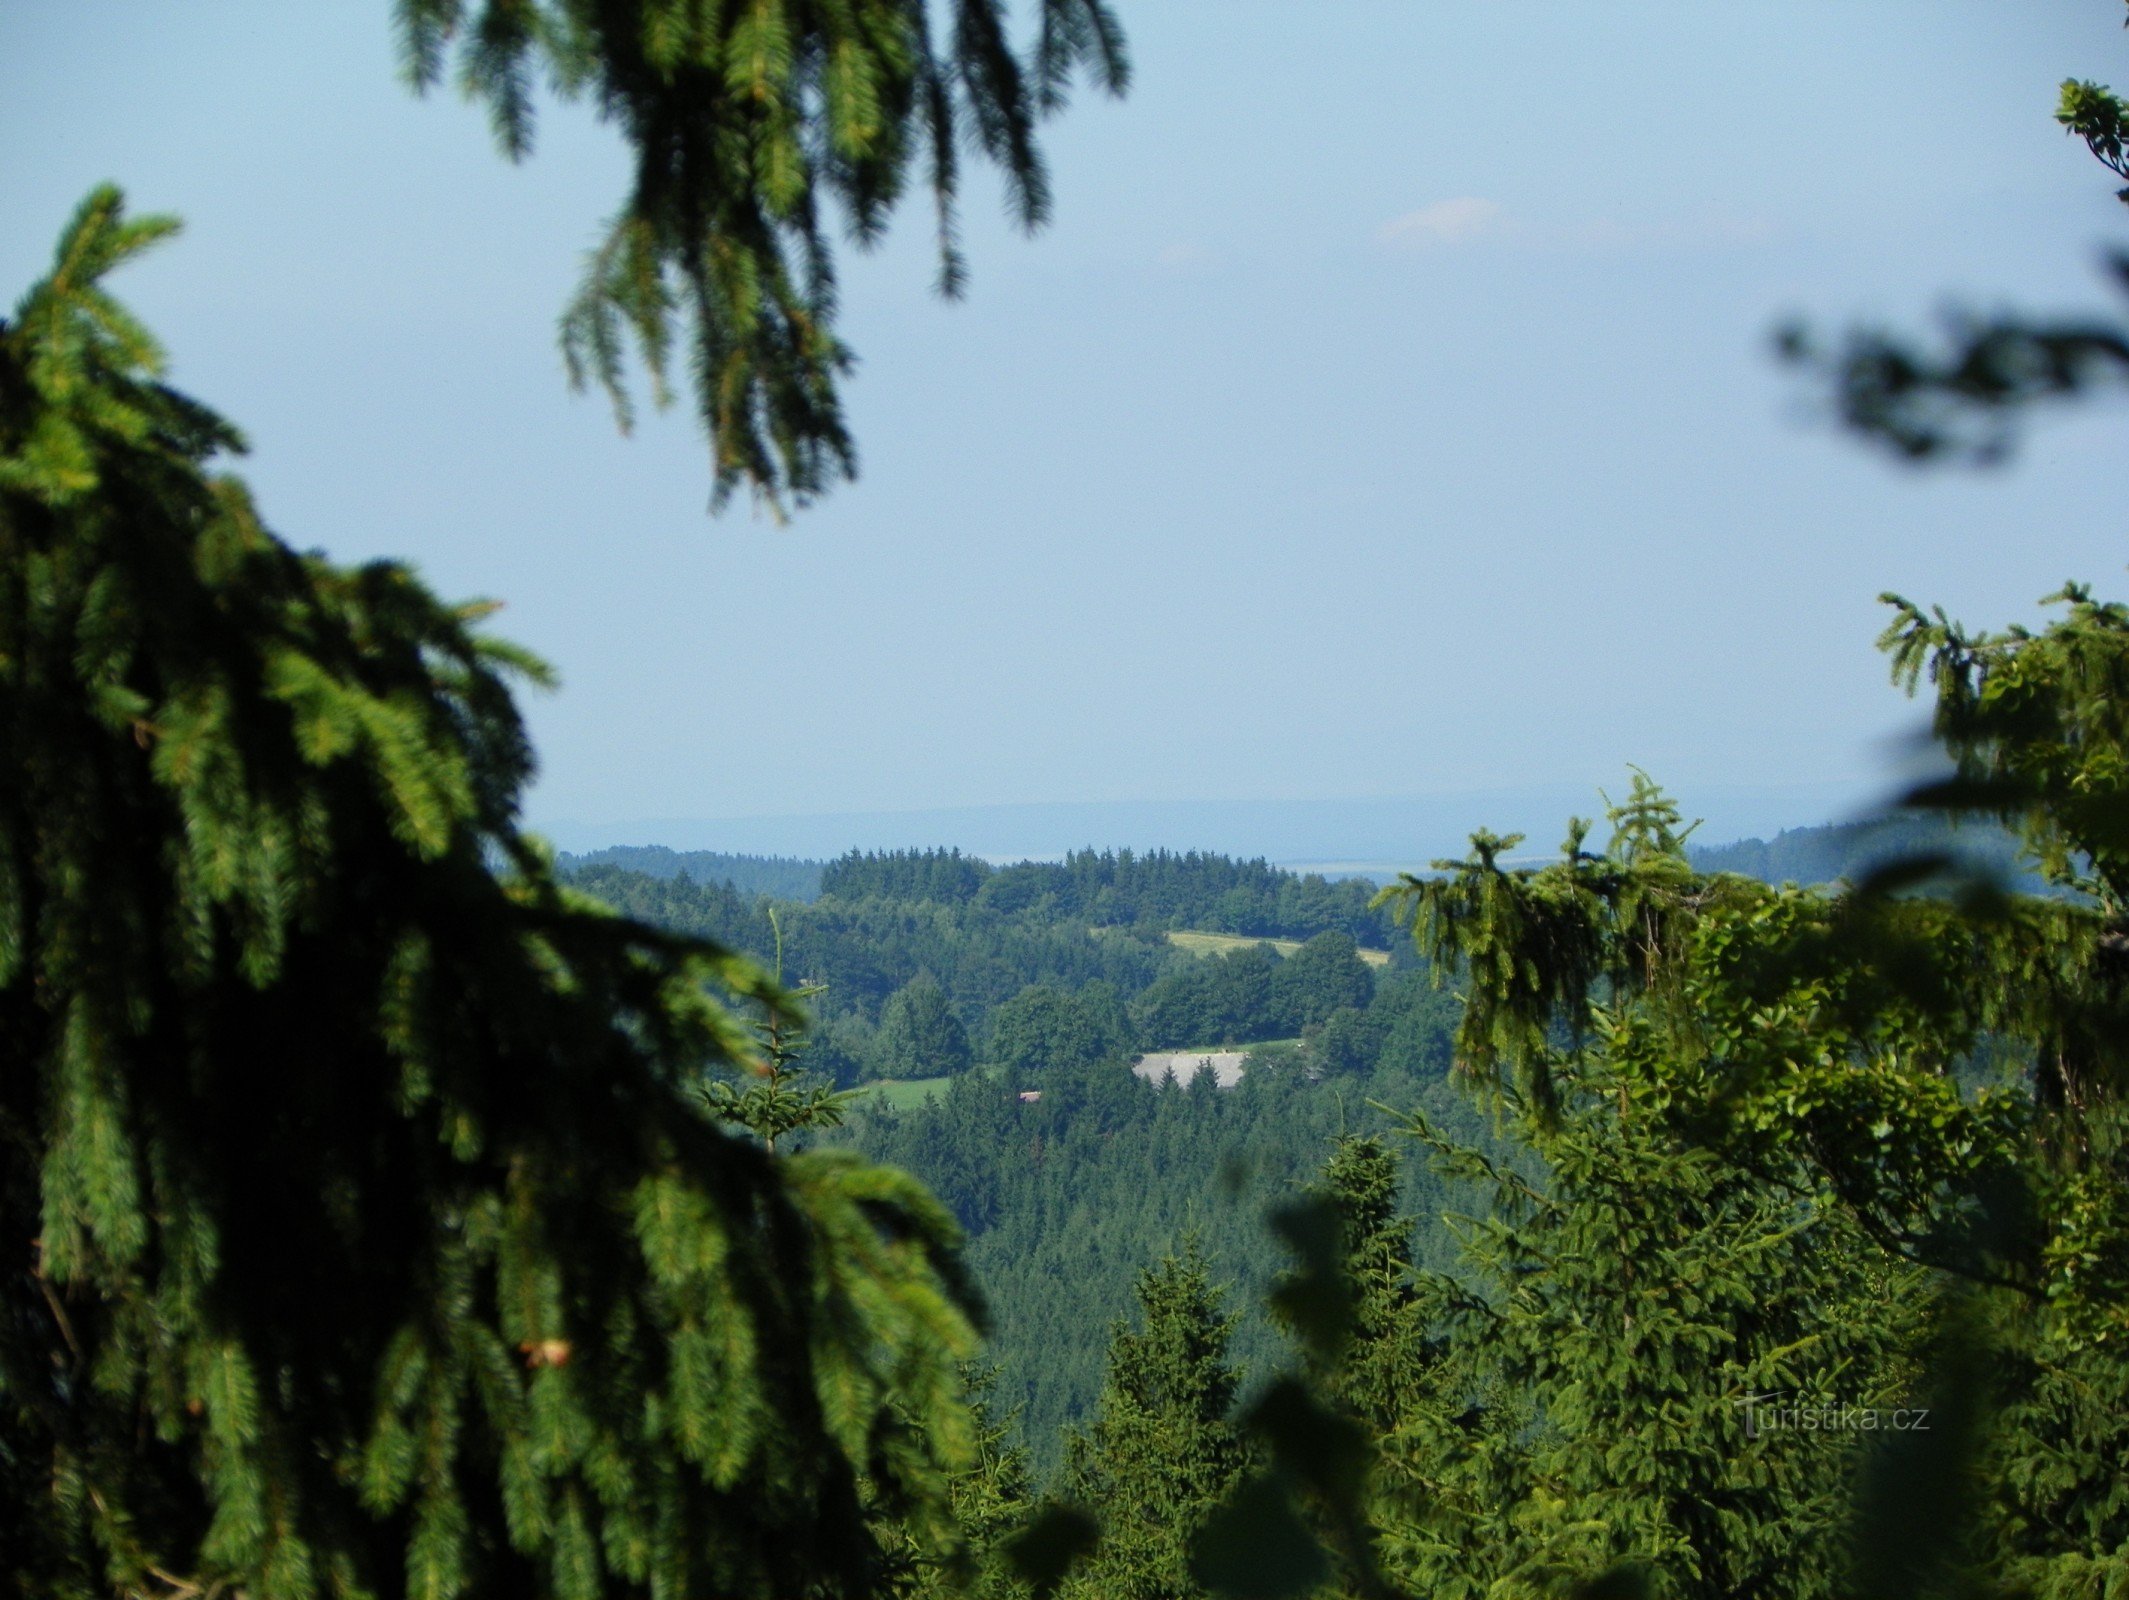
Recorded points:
(1124, 888)
(1065, 1198)
(784, 1098)
(1778, 1025)
(943, 875)
(1191, 889)
(1068, 1195)
(2054, 1503)
(1657, 1371)
(990, 1499)
(1771, 1096)
(751, 127)
(862, 952)
(1161, 1450)
(1386, 1350)
(920, 1037)
(388, 1218)
(365, 1235)
(1613, 1363)
(859, 947)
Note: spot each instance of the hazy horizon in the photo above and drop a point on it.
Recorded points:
(1355, 833)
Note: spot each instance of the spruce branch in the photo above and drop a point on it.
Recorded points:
(749, 125)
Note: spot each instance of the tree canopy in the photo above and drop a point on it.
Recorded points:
(1856, 1032)
(366, 1235)
(1161, 1449)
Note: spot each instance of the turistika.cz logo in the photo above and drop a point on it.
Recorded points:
(1766, 1413)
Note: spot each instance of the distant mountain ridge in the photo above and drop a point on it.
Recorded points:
(1823, 853)
(1374, 835)
(778, 877)
(1834, 851)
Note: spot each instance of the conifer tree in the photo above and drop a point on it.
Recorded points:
(1779, 1025)
(1615, 1359)
(784, 1098)
(1162, 1450)
(2053, 1501)
(2034, 721)
(751, 126)
(1352, 1306)
(991, 1500)
(1386, 1353)
(1826, 1047)
(363, 1232)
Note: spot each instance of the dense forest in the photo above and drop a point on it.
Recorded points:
(1069, 1173)
(1189, 890)
(1108, 1217)
(1159, 888)
(1023, 994)
(923, 961)
(1071, 1182)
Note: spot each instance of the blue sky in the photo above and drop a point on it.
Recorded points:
(1387, 412)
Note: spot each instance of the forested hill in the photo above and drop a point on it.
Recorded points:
(1216, 893)
(925, 983)
(1109, 888)
(1849, 850)
(779, 877)
(992, 1015)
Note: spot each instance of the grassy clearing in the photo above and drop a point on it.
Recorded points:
(904, 1093)
(1214, 944)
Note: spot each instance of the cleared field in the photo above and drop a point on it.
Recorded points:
(1214, 1049)
(1184, 1065)
(904, 1093)
(1213, 944)
(1224, 1062)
